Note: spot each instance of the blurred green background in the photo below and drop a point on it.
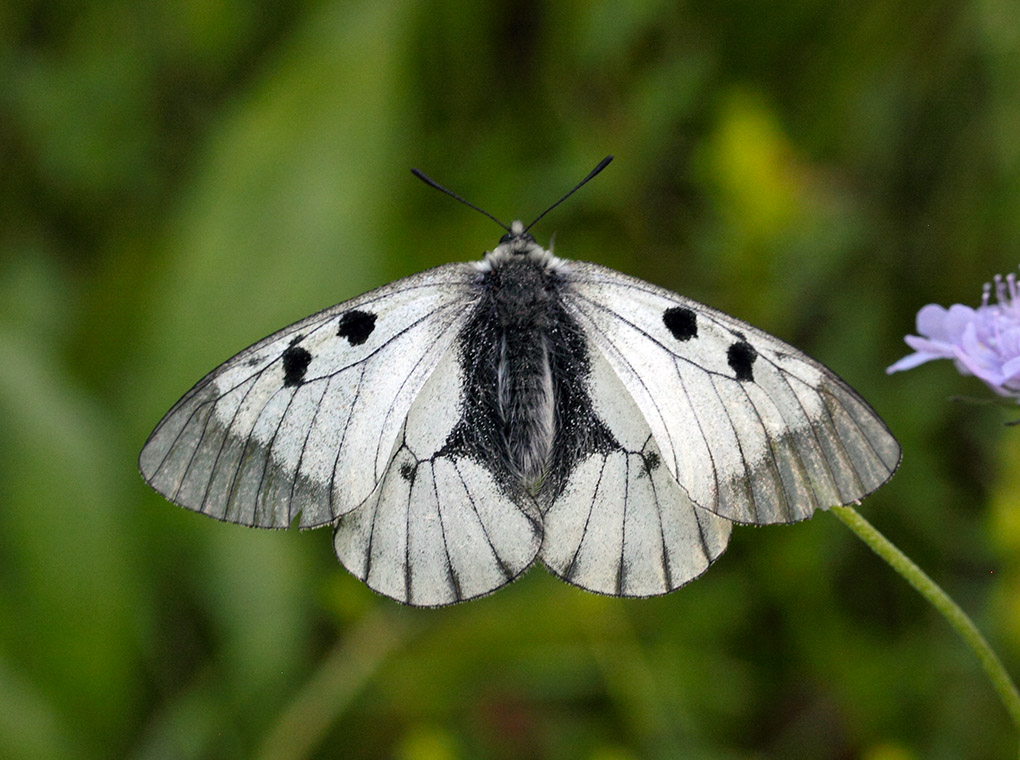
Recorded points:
(179, 179)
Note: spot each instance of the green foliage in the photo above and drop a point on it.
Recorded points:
(180, 179)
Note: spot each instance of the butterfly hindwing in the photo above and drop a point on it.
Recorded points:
(306, 419)
(621, 524)
(441, 527)
(750, 427)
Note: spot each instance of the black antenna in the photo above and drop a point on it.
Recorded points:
(602, 165)
(432, 183)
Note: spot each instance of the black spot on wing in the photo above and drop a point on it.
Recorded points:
(740, 356)
(356, 326)
(681, 322)
(295, 364)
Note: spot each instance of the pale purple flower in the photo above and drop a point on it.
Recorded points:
(984, 342)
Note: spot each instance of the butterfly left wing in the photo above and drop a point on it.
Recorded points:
(442, 526)
(305, 420)
(751, 428)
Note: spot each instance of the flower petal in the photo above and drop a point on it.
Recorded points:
(1011, 369)
(931, 321)
(984, 342)
(911, 360)
(989, 375)
(937, 348)
(959, 319)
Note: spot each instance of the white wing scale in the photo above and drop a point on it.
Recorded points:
(771, 447)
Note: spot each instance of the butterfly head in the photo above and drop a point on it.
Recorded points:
(515, 245)
(518, 240)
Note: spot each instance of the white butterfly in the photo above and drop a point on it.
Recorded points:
(456, 425)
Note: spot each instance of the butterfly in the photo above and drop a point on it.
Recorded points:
(458, 425)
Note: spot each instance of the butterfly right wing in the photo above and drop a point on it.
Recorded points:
(621, 525)
(306, 419)
(750, 427)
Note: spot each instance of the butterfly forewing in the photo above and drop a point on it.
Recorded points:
(751, 428)
(306, 419)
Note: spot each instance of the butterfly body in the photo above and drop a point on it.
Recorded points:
(507, 346)
(460, 424)
(526, 363)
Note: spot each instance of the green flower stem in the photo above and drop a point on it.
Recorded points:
(940, 600)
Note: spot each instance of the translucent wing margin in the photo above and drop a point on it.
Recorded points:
(305, 421)
(751, 428)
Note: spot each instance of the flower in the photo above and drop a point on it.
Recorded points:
(984, 342)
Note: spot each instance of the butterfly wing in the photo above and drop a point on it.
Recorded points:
(305, 421)
(751, 428)
(621, 524)
(441, 527)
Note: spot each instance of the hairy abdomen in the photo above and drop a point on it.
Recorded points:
(527, 403)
